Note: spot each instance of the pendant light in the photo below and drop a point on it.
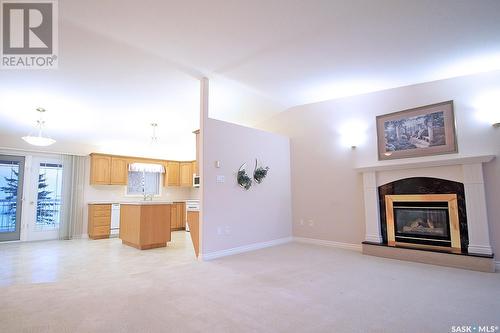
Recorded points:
(39, 140)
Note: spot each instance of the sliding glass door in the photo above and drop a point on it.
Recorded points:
(11, 194)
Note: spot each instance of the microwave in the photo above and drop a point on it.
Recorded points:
(196, 181)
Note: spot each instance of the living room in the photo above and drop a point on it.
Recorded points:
(340, 160)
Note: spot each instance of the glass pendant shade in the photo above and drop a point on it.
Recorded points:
(39, 140)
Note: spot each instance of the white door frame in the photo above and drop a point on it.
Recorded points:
(30, 200)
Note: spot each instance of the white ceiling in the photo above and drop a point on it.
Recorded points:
(125, 64)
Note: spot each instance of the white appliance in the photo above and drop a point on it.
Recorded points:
(115, 220)
(196, 181)
(191, 206)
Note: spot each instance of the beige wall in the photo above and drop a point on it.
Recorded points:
(233, 217)
(327, 191)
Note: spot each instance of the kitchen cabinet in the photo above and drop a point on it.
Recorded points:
(99, 221)
(193, 220)
(186, 174)
(113, 170)
(145, 225)
(108, 170)
(100, 169)
(173, 173)
(119, 171)
(178, 216)
(194, 165)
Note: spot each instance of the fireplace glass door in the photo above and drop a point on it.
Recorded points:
(422, 223)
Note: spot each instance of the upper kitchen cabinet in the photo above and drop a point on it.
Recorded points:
(194, 165)
(113, 170)
(173, 173)
(108, 170)
(100, 169)
(186, 174)
(119, 171)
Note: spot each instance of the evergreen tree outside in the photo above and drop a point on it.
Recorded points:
(11, 195)
(45, 203)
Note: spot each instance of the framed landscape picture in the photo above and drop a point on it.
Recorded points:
(423, 131)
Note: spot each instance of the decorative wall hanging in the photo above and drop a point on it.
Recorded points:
(243, 180)
(423, 131)
(259, 173)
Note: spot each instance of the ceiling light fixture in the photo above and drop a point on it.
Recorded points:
(39, 140)
(154, 138)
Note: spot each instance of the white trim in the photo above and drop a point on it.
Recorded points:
(426, 162)
(339, 245)
(480, 249)
(244, 248)
(82, 236)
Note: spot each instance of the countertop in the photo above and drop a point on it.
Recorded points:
(139, 202)
(148, 203)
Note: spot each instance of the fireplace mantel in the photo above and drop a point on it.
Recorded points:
(436, 161)
(470, 171)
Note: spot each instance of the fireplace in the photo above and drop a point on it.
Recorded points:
(415, 224)
(423, 221)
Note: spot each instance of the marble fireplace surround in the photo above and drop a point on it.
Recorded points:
(464, 169)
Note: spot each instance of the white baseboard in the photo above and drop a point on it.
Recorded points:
(339, 245)
(82, 236)
(245, 248)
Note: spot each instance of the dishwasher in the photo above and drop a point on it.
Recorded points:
(115, 220)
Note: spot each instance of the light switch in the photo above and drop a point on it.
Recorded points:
(217, 164)
(220, 179)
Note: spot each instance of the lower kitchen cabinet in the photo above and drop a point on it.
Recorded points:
(193, 220)
(99, 221)
(178, 216)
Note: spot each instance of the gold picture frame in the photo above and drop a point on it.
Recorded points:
(423, 131)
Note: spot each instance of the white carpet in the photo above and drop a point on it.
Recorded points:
(103, 286)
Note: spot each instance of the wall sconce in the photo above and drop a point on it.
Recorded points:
(487, 108)
(353, 134)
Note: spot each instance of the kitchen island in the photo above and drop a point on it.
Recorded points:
(145, 225)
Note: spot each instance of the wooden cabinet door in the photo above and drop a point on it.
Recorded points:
(195, 168)
(100, 170)
(181, 215)
(186, 171)
(99, 221)
(173, 176)
(173, 217)
(193, 221)
(119, 171)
